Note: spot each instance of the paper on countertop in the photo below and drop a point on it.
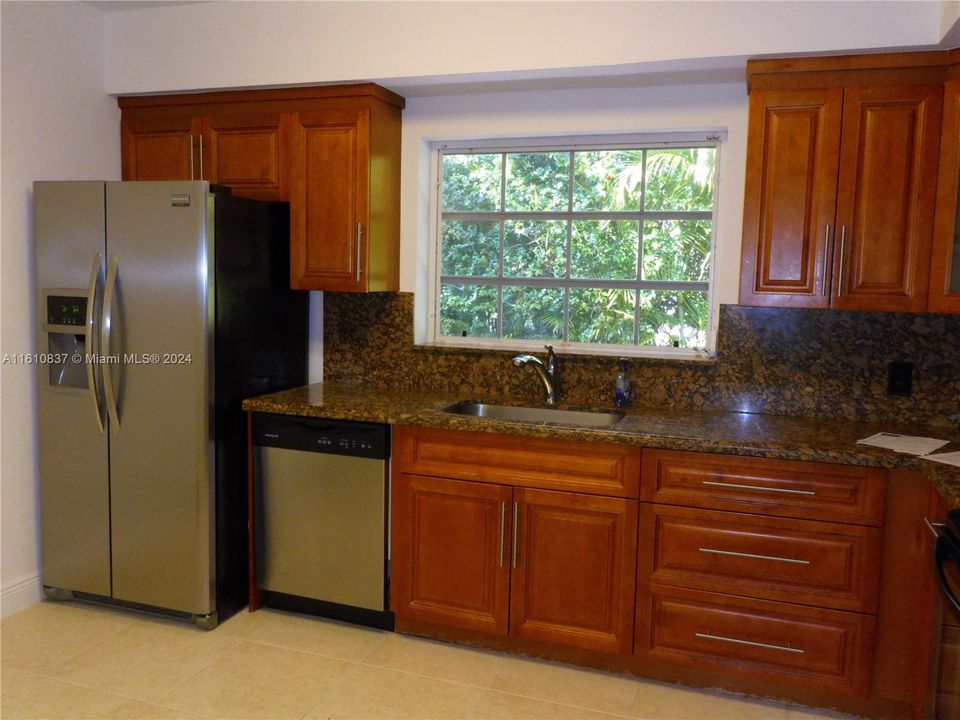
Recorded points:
(909, 444)
(950, 458)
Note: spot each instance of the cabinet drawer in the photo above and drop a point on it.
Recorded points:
(756, 639)
(789, 488)
(801, 561)
(593, 468)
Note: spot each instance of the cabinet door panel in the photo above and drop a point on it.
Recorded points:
(160, 148)
(249, 153)
(789, 208)
(945, 262)
(575, 572)
(887, 188)
(449, 558)
(329, 193)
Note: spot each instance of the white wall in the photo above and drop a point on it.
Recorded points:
(232, 44)
(57, 123)
(621, 110)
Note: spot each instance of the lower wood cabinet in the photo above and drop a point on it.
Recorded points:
(573, 558)
(541, 565)
(780, 643)
(798, 561)
(804, 581)
(449, 561)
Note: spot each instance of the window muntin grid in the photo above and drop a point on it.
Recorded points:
(530, 261)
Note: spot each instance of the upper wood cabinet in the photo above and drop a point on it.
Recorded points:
(247, 152)
(345, 211)
(840, 187)
(791, 197)
(841, 183)
(945, 264)
(886, 190)
(158, 146)
(332, 151)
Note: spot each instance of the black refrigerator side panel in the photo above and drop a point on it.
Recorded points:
(261, 331)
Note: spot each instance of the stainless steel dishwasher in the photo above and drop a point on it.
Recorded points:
(321, 496)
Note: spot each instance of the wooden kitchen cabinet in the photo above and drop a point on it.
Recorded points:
(782, 644)
(793, 151)
(796, 561)
(839, 192)
(574, 575)
(801, 580)
(537, 565)
(333, 152)
(449, 559)
(246, 151)
(841, 182)
(886, 191)
(158, 146)
(945, 261)
(345, 204)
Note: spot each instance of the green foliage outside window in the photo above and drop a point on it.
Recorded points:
(584, 246)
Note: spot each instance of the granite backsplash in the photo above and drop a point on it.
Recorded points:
(815, 363)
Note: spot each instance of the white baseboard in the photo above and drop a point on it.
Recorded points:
(20, 594)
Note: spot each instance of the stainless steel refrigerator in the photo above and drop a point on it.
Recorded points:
(160, 306)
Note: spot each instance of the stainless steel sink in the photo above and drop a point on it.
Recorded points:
(536, 415)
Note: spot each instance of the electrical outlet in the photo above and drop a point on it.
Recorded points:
(899, 378)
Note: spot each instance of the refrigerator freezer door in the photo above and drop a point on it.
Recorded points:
(158, 313)
(74, 476)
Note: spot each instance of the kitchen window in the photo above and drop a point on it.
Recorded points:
(593, 247)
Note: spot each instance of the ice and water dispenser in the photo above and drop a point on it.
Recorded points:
(66, 329)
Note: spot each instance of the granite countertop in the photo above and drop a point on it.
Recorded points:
(775, 436)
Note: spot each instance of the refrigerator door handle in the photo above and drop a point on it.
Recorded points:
(109, 291)
(96, 277)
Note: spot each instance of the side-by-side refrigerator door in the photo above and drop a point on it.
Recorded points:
(74, 477)
(157, 322)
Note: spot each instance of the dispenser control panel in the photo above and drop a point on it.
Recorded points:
(66, 310)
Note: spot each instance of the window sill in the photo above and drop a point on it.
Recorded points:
(561, 348)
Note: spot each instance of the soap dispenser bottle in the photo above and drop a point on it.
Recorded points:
(622, 393)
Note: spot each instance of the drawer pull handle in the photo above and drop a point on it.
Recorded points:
(751, 643)
(755, 557)
(759, 487)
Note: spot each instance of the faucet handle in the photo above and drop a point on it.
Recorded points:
(551, 359)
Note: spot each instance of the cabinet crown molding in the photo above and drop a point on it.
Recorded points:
(820, 71)
(311, 92)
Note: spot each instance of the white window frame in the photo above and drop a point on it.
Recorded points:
(715, 139)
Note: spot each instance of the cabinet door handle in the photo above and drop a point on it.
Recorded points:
(516, 524)
(359, 236)
(827, 256)
(201, 156)
(191, 157)
(788, 491)
(503, 520)
(751, 643)
(843, 243)
(753, 556)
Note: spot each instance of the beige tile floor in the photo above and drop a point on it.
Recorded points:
(74, 660)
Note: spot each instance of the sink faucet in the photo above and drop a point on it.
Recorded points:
(547, 373)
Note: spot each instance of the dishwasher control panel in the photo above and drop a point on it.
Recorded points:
(336, 437)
